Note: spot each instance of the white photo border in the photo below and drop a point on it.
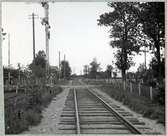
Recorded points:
(2, 115)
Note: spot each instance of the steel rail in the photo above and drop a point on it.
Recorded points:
(128, 124)
(76, 112)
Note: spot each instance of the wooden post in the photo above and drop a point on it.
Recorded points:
(124, 85)
(131, 87)
(139, 87)
(16, 89)
(151, 93)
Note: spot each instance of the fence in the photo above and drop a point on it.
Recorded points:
(136, 88)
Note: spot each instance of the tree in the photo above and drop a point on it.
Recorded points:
(126, 32)
(142, 73)
(53, 72)
(65, 69)
(158, 69)
(94, 67)
(38, 65)
(141, 67)
(114, 74)
(109, 71)
(150, 75)
(153, 19)
(121, 64)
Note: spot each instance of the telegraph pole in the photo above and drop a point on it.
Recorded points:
(9, 57)
(64, 66)
(19, 72)
(33, 29)
(59, 66)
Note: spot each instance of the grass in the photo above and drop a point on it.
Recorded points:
(141, 104)
(62, 82)
(28, 108)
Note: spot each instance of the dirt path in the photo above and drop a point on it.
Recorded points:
(51, 116)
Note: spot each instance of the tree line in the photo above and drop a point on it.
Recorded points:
(93, 71)
(37, 72)
(134, 25)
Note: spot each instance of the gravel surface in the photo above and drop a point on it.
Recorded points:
(51, 116)
(157, 128)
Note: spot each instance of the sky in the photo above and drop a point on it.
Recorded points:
(74, 32)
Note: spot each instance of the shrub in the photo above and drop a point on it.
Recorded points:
(31, 106)
(160, 98)
(33, 117)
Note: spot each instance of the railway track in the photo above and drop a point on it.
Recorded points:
(87, 113)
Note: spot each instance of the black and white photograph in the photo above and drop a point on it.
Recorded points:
(83, 67)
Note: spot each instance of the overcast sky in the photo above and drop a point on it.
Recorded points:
(74, 32)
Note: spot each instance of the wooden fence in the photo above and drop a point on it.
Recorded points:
(137, 88)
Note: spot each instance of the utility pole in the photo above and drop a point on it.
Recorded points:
(64, 66)
(59, 66)
(33, 29)
(9, 57)
(45, 21)
(19, 72)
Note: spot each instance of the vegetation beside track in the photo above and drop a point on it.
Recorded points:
(142, 105)
(26, 108)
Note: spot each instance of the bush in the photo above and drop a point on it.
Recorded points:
(33, 117)
(28, 110)
(160, 98)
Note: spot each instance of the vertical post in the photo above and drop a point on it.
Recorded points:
(9, 57)
(47, 33)
(33, 27)
(64, 66)
(131, 87)
(33, 17)
(151, 93)
(45, 22)
(111, 76)
(16, 89)
(59, 66)
(139, 87)
(19, 71)
(124, 85)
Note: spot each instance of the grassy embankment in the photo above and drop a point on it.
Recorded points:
(140, 104)
(25, 110)
(154, 109)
